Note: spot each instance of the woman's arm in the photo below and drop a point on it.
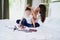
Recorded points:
(34, 14)
(34, 17)
(33, 21)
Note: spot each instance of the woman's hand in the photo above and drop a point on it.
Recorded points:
(33, 21)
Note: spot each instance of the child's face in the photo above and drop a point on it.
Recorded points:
(28, 12)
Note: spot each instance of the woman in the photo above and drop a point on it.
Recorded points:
(41, 9)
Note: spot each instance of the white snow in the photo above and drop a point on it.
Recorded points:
(50, 30)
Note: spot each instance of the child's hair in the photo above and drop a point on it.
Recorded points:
(27, 8)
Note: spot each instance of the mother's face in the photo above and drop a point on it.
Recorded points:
(38, 9)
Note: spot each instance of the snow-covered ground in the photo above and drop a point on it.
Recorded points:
(50, 30)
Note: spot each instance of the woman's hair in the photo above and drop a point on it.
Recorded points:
(42, 12)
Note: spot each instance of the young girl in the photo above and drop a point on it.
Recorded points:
(27, 20)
